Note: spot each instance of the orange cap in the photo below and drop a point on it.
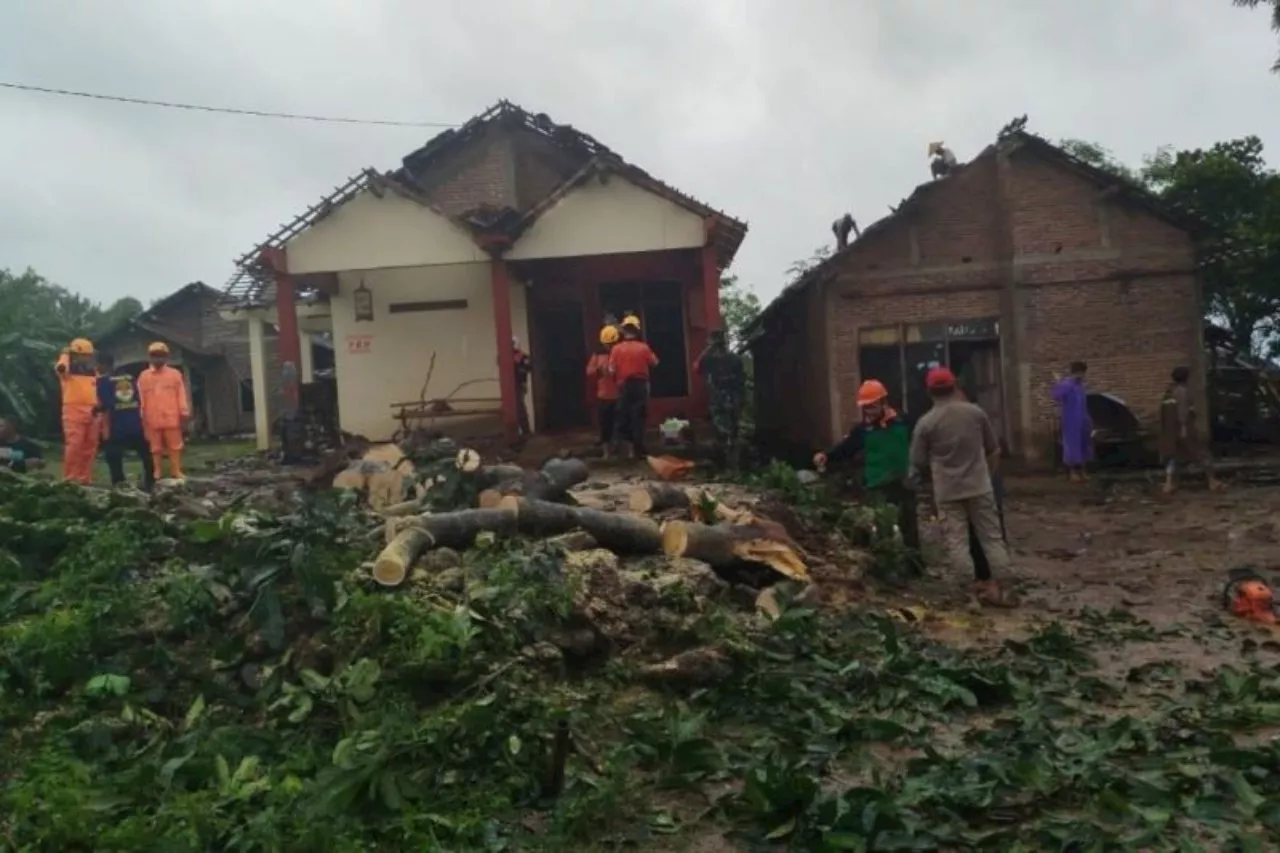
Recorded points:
(870, 392)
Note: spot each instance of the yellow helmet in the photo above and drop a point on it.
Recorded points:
(81, 346)
(158, 348)
(609, 335)
(631, 320)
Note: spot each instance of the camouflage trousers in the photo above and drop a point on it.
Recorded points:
(982, 516)
(726, 420)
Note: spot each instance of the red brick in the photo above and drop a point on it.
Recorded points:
(1115, 289)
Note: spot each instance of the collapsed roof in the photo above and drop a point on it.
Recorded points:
(543, 162)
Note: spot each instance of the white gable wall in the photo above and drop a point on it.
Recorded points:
(368, 233)
(608, 218)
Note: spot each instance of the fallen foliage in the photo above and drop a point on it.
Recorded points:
(240, 683)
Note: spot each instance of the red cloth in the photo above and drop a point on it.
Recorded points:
(631, 360)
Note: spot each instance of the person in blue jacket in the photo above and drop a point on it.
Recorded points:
(118, 400)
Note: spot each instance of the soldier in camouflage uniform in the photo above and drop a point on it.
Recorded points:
(726, 380)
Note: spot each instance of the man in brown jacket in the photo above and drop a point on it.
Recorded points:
(956, 443)
(1180, 441)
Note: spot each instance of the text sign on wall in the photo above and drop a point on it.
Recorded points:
(359, 344)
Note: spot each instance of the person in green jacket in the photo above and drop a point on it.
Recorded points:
(883, 438)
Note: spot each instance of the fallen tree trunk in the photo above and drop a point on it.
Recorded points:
(729, 547)
(656, 497)
(622, 534)
(552, 483)
(446, 530)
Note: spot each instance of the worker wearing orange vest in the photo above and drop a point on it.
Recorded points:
(163, 394)
(80, 430)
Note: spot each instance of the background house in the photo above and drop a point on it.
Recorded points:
(211, 351)
(511, 225)
(1009, 268)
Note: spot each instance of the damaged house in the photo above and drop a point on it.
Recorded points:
(1006, 269)
(511, 226)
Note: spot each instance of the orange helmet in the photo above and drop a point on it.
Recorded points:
(81, 346)
(609, 335)
(158, 348)
(870, 392)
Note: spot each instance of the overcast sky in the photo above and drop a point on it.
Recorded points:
(785, 113)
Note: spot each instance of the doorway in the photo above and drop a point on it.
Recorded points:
(976, 365)
(559, 367)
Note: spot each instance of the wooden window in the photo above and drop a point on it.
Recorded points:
(418, 307)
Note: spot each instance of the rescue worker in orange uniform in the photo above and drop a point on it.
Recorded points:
(630, 360)
(163, 394)
(77, 375)
(606, 387)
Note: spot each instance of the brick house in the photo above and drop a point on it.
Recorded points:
(509, 226)
(211, 351)
(1007, 269)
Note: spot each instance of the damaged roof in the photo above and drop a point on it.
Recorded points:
(433, 176)
(1038, 145)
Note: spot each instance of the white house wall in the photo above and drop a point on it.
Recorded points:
(609, 218)
(385, 360)
(370, 233)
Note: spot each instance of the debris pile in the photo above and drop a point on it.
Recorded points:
(554, 671)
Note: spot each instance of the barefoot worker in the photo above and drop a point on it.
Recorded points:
(1180, 442)
(1077, 432)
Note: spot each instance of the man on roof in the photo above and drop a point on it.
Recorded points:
(162, 393)
(882, 437)
(77, 378)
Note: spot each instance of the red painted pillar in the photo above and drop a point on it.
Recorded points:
(711, 312)
(711, 287)
(288, 340)
(501, 284)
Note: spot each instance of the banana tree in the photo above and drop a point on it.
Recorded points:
(26, 386)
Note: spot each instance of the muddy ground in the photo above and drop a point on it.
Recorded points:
(1120, 544)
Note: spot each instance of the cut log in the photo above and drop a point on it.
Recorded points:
(622, 534)
(656, 497)
(729, 546)
(555, 479)
(492, 476)
(446, 530)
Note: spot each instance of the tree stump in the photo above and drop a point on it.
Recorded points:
(657, 497)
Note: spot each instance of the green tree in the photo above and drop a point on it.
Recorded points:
(1099, 156)
(1275, 17)
(739, 306)
(40, 318)
(1232, 190)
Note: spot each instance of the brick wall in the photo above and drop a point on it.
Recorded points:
(790, 377)
(479, 174)
(1096, 279)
